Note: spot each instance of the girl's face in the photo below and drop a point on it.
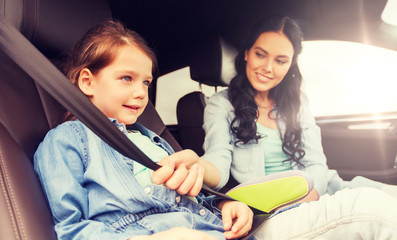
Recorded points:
(120, 90)
(268, 61)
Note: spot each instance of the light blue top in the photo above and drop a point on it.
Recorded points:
(247, 161)
(273, 153)
(143, 174)
(156, 153)
(93, 194)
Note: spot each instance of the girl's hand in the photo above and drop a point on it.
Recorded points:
(237, 219)
(182, 172)
(177, 234)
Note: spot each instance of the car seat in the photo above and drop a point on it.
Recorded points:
(27, 112)
(212, 63)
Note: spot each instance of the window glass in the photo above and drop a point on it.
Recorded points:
(339, 78)
(342, 78)
(171, 87)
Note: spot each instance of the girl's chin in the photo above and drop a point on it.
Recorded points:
(127, 121)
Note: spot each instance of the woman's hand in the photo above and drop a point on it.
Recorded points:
(182, 172)
(237, 219)
(176, 234)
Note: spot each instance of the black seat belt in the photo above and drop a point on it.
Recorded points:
(44, 73)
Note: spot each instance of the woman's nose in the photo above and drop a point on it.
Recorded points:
(267, 65)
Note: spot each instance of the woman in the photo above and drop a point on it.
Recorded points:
(262, 123)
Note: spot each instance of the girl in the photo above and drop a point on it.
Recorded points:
(261, 125)
(96, 193)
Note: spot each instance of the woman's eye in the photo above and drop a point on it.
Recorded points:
(127, 78)
(259, 54)
(281, 61)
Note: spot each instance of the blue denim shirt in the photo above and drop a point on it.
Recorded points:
(246, 162)
(93, 194)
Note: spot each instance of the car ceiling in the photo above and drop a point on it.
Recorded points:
(173, 27)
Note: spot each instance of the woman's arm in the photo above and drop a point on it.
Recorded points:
(181, 171)
(218, 143)
(185, 172)
(314, 160)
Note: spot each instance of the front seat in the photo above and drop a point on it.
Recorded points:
(212, 63)
(27, 112)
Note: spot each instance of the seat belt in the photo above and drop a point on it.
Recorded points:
(44, 73)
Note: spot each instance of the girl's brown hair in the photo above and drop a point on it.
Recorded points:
(99, 47)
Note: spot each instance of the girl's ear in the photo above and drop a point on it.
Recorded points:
(86, 82)
(245, 55)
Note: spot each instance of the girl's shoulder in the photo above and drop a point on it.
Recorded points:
(67, 130)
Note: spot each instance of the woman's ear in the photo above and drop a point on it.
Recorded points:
(86, 82)
(245, 55)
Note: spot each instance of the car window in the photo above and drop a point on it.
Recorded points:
(339, 78)
(171, 87)
(342, 78)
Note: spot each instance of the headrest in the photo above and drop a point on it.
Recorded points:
(55, 26)
(212, 62)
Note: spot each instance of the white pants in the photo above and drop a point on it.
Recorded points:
(360, 213)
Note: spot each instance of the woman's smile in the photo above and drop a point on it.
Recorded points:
(263, 78)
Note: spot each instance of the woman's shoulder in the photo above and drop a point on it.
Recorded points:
(221, 94)
(220, 98)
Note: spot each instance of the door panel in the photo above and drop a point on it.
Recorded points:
(361, 146)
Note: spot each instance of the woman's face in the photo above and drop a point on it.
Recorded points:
(268, 61)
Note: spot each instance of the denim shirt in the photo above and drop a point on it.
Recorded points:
(246, 162)
(93, 194)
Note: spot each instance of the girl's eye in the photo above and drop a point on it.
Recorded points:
(147, 82)
(127, 78)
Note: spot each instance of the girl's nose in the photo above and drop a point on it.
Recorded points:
(139, 90)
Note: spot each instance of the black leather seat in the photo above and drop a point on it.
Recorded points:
(212, 63)
(27, 112)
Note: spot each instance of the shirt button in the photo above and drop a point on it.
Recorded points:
(147, 190)
(178, 199)
(202, 212)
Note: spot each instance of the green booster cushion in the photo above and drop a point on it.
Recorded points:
(273, 191)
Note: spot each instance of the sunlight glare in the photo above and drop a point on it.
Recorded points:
(343, 78)
(389, 14)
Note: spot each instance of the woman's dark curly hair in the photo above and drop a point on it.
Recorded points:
(286, 94)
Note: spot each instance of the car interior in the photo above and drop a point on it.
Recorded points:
(203, 35)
